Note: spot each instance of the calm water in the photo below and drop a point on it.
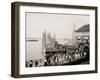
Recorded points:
(34, 50)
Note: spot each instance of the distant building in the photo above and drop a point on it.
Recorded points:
(82, 34)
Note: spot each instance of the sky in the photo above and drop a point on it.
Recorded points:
(59, 24)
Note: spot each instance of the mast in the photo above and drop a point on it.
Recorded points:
(73, 34)
(44, 43)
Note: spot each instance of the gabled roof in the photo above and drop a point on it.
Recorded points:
(84, 28)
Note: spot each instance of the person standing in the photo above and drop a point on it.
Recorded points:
(36, 63)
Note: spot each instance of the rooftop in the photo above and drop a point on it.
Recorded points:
(84, 28)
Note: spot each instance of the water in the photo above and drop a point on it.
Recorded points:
(34, 50)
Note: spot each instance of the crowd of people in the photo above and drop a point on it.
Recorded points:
(68, 55)
(35, 63)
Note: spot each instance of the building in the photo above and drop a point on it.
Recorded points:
(82, 34)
